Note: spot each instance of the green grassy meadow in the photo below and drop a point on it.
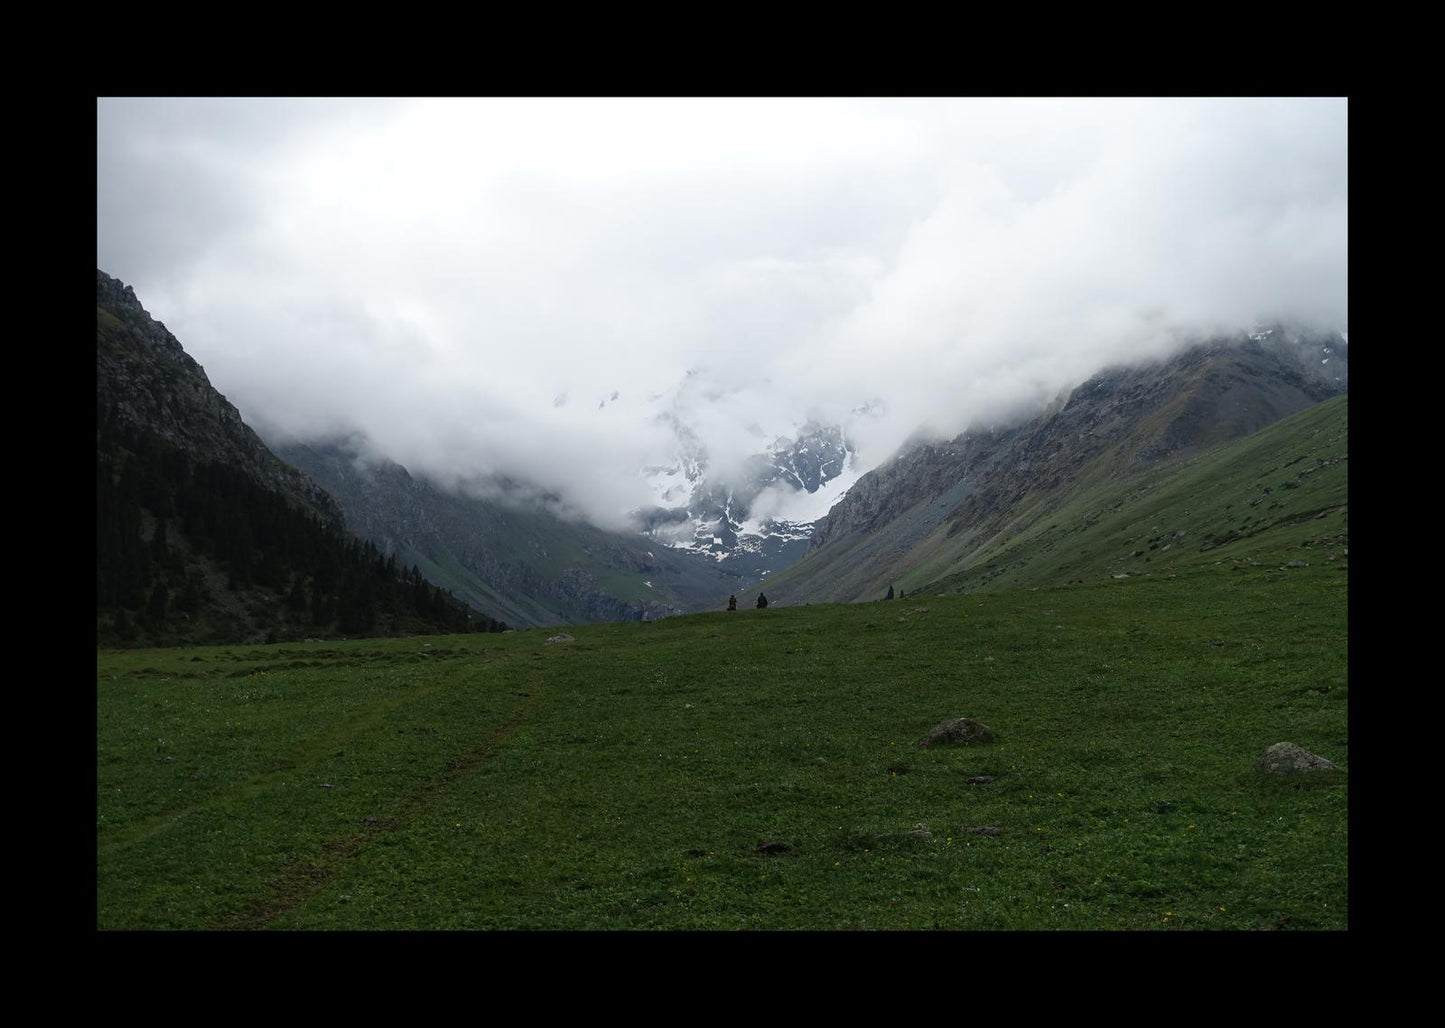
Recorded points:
(627, 778)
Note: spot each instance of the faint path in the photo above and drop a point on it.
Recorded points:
(327, 741)
(308, 875)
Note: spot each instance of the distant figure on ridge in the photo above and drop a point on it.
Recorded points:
(732, 603)
(762, 601)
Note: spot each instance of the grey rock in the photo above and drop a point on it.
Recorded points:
(1287, 758)
(918, 834)
(961, 731)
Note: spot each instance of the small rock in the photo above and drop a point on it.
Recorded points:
(963, 731)
(917, 834)
(327, 785)
(1285, 758)
(774, 847)
(980, 779)
(820, 761)
(563, 638)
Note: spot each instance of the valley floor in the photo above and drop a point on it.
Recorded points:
(756, 769)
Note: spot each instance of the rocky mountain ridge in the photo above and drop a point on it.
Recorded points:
(937, 497)
(742, 522)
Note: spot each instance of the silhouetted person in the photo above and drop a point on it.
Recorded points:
(762, 601)
(732, 603)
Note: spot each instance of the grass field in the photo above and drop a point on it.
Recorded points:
(628, 778)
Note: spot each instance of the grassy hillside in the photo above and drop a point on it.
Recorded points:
(629, 777)
(1277, 496)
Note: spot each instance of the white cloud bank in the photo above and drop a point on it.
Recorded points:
(439, 273)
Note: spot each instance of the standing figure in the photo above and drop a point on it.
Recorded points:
(732, 603)
(762, 601)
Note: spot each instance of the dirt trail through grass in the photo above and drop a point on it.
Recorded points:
(365, 721)
(304, 877)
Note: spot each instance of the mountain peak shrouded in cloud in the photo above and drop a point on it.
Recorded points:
(517, 289)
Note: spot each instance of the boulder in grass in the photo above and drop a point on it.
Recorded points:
(960, 731)
(1285, 758)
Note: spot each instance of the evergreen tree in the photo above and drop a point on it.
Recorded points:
(192, 595)
(296, 601)
(155, 615)
(160, 551)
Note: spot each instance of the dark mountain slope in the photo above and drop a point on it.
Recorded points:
(524, 565)
(204, 535)
(145, 380)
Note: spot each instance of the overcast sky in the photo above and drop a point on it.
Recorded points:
(469, 282)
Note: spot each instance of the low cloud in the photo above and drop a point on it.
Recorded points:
(437, 274)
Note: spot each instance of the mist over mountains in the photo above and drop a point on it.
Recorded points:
(516, 290)
(516, 553)
(203, 535)
(587, 358)
(941, 508)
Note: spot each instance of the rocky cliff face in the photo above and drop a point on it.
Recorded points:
(705, 515)
(145, 379)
